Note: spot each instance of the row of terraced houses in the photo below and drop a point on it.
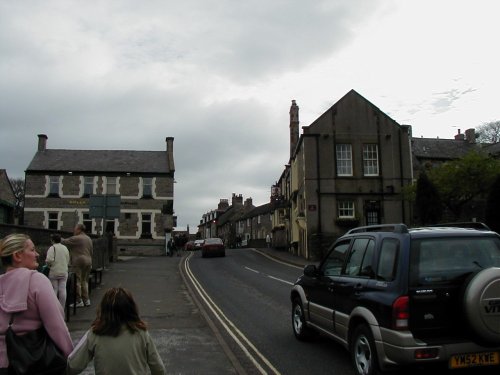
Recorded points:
(348, 168)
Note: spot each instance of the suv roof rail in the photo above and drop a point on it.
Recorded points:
(466, 224)
(395, 228)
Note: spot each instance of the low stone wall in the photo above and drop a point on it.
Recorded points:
(104, 247)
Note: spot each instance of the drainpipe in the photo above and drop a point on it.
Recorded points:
(318, 184)
(401, 171)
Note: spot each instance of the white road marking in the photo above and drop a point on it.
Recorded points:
(269, 276)
(281, 280)
(223, 319)
(251, 269)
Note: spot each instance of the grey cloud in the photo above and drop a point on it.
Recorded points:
(444, 101)
(124, 75)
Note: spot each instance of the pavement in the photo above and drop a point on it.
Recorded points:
(186, 339)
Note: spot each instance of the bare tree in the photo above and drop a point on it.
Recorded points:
(18, 187)
(489, 132)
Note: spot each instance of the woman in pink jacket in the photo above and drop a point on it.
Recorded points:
(29, 295)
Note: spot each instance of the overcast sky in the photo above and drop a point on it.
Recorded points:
(219, 77)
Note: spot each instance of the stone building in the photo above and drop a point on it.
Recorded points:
(227, 222)
(255, 225)
(60, 183)
(7, 199)
(209, 220)
(347, 168)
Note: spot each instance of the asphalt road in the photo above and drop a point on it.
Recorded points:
(252, 291)
(248, 294)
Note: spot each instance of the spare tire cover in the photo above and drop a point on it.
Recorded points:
(482, 304)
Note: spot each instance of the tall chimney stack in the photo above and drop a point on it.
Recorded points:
(42, 142)
(294, 127)
(170, 153)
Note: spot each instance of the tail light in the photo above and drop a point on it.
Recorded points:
(400, 313)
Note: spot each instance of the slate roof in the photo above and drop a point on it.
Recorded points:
(493, 149)
(259, 210)
(231, 214)
(437, 148)
(104, 161)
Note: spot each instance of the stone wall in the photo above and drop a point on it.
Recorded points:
(104, 248)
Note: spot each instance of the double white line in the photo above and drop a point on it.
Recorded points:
(239, 338)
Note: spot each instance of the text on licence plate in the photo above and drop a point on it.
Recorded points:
(474, 359)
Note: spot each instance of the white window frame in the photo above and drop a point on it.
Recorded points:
(52, 220)
(111, 185)
(344, 159)
(147, 184)
(54, 185)
(87, 221)
(147, 217)
(345, 209)
(88, 185)
(370, 159)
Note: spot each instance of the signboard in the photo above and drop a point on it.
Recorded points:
(105, 206)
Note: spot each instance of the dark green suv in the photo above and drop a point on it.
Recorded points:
(395, 296)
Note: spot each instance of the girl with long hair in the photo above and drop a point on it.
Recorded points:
(118, 340)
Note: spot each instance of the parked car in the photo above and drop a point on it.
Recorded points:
(398, 297)
(213, 247)
(189, 246)
(198, 244)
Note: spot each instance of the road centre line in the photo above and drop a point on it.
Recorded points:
(251, 269)
(278, 279)
(269, 276)
(219, 315)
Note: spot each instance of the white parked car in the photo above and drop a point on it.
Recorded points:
(198, 244)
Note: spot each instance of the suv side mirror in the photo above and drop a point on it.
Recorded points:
(310, 270)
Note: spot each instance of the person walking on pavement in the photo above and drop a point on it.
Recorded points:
(58, 260)
(118, 340)
(81, 250)
(268, 241)
(26, 297)
(170, 247)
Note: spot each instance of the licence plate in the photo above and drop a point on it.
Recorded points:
(474, 359)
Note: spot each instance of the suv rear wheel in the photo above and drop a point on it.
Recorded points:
(300, 329)
(363, 352)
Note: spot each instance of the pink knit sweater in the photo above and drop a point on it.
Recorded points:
(30, 296)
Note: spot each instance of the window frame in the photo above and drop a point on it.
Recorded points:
(343, 154)
(112, 182)
(51, 220)
(54, 184)
(147, 187)
(87, 221)
(351, 209)
(370, 160)
(147, 221)
(88, 186)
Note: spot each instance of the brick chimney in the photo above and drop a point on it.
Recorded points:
(459, 137)
(470, 136)
(170, 153)
(223, 205)
(294, 127)
(42, 142)
(248, 202)
(237, 200)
